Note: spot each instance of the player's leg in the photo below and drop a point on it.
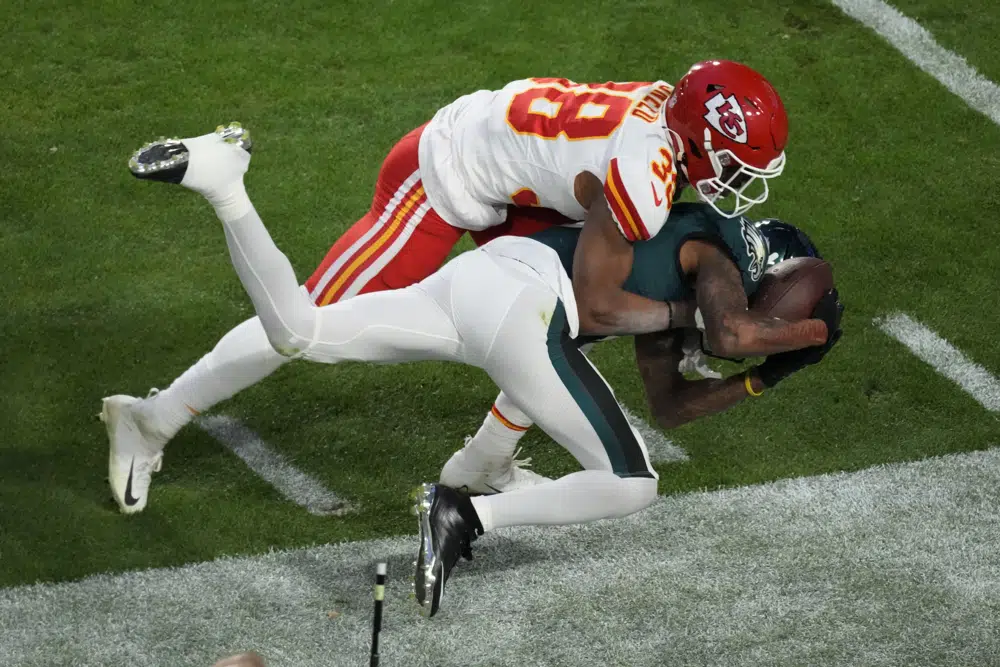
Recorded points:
(490, 454)
(556, 386)
(523, 221)
(400, 242)
(396, 325)
(488, 462)
(139, 428)
(397, 243)
(385, 327)
(541, 369)
(391, 246)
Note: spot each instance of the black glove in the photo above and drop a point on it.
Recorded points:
(829, 309)
(779, 366)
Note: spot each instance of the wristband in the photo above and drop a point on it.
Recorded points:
(748, 383)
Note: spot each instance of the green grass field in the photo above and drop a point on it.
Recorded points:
(114, 286)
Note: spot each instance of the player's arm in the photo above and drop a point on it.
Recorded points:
(673, 399)
(601, 264)
(731, 329)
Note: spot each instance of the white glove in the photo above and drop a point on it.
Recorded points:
(694, 360)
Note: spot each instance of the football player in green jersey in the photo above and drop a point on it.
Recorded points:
(663, 271)
(675, 400)
(700, 258)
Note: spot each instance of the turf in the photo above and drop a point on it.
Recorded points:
(968, 29)
(112, 286)
(890, 566)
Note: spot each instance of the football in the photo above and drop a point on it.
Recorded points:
(791, 289)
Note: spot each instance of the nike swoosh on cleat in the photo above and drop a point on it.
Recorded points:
(129, 498)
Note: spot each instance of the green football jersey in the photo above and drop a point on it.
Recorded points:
(656, 271)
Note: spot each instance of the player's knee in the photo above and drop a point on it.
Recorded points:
(290, 329)
(283, 343)
(650, 490)
(642, 490)
(634, 494)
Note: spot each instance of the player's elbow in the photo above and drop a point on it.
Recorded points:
(593, 320)
(728, 338)
(723, 343)
(598, 313)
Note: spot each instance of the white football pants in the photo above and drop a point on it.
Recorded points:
(507, 308)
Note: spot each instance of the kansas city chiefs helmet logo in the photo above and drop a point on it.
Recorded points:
(726, 116)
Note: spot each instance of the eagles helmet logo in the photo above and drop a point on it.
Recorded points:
(726, 116)
(756, 246)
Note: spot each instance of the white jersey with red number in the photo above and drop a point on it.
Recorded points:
(526, 143)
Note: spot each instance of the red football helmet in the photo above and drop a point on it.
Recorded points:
(732, 129)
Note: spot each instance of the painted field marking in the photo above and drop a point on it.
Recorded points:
(297, 486)
(661, 449)
(919, 46)
(944, 358)
(896, 564)
(307, 492)
(981, 94)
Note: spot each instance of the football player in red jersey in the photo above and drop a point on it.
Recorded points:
(728, 130)
(611, 154)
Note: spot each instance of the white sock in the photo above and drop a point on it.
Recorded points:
(242, 358)
(215, 170)
(579, 497)
(496, 440)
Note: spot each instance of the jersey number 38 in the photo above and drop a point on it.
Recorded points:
(576, 111)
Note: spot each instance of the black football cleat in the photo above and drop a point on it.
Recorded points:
(167, 159)
(448, 526)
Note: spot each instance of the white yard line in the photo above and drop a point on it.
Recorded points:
(661, 449)
(918, 45)
(944, 358)
(299, 487)
(981, 94)
(895, 565)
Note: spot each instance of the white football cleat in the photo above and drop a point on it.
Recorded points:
(463, 471)
(134, 456)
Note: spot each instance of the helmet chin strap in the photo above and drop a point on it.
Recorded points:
(709, 198)
(710, 151)
(679, 154)
(676, 143)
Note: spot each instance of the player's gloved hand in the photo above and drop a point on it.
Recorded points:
(779, 366)
(829, 309)
(694, 360)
